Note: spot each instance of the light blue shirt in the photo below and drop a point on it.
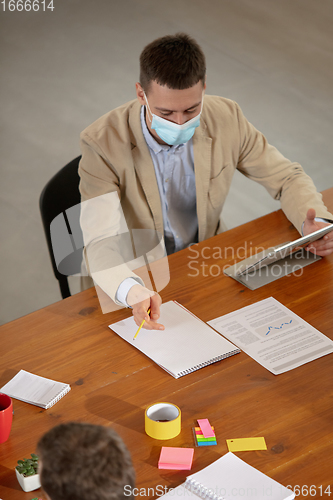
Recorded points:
(174, 170)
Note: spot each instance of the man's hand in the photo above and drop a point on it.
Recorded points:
(141, 299)
(321, 247)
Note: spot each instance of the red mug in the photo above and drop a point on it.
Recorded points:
(6, 417)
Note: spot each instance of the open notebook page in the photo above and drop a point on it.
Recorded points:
(186, 344)
(229, 477)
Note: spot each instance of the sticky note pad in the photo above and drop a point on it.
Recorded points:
(175, 458)
(247, 444)
(206, 428)
(200, 439)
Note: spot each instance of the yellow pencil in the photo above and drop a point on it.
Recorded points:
(140, 326)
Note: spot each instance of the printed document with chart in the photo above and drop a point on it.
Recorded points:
(273, 335)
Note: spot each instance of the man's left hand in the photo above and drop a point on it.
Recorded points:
(321, 247)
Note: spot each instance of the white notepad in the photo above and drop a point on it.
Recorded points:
(36, 390)
(229, 477)
(187, 343)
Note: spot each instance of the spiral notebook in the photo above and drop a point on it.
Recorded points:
(36, 390)
(230, 477)
(186, 345)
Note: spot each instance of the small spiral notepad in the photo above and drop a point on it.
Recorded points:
(35, 390)
(186, 345)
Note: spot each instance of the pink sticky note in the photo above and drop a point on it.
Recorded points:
(175, 458)
(206, 428)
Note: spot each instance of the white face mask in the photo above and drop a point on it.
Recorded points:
(172, 133)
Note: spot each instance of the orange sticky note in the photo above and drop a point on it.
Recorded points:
(199, 432)
(175, 458)
(247, 444)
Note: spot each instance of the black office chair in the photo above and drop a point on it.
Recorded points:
(61, 225)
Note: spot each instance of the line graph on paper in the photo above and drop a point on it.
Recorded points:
(280, 326)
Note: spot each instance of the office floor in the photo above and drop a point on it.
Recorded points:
(62, 69)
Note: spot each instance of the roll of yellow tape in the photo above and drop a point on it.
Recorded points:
(162, 421)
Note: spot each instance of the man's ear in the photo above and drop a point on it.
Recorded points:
(140, 93)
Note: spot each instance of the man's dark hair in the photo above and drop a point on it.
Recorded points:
(176, 61)
(85, 462)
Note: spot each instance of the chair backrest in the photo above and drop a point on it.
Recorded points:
(60, 194)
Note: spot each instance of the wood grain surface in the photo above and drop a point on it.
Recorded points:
(112, 383)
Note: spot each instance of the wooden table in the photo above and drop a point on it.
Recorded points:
(112, 383)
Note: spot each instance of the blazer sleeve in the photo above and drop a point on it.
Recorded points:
(284, 180)
(108, 253)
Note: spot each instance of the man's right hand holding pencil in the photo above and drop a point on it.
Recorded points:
(141, 299)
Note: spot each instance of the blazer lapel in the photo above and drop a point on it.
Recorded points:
(202, 147)
(144, 167)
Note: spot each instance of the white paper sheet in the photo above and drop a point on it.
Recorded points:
(273, 335)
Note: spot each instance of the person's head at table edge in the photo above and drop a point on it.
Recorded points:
(80, 461)
(172, 85)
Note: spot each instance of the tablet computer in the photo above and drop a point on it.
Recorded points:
(276, 253)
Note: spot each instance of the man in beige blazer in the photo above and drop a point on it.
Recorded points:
(165, 161)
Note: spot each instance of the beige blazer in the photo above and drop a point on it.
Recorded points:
(115, 158)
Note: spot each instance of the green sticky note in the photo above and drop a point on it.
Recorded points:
(201, 438)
